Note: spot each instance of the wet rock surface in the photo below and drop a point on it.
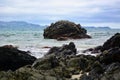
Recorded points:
(11, 58)
(113, 42)
(94, 50)
(107, 66)
(64, 50)
(64, 30)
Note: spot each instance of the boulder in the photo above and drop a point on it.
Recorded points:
(110, 72)
(63, 30)
(12, 58)
(93, 50)
(110, 56)
(63, 67)
(114, 41)
(78, 63)
(46, 63)
(64, 50)
(107, 64)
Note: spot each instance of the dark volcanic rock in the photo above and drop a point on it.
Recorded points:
(110, 56)
(46, 63)
(62, 38)
(107, 65)
(63, 30)
(114, 41)
(110, 72)
(12, 58)
(63, 51)
(63, 67)
(94, 50)
(62, 62)
(26, 73)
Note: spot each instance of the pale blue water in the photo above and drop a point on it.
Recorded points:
(33, 40)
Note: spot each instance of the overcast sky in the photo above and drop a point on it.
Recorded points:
(85, 12)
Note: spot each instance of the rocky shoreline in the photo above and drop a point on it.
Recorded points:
(62, 63)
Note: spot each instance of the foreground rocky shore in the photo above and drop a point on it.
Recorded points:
(62, 63)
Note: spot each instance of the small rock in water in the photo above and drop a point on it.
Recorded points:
(46, 47)
(94, 50)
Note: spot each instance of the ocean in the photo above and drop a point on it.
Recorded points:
(33, 40)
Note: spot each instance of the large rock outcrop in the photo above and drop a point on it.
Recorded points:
(110, 56)
(107, 66)
(63, 30)
(113, 42)
(62, 62)
(11, 58)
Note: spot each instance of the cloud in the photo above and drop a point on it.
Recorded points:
(52, 10)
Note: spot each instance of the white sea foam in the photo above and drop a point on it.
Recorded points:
(34, 51)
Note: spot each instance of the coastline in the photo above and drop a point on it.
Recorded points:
(33, 41)
(63, 63)
(73, 55)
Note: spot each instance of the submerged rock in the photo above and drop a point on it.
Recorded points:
(63, 30)
(11, 58)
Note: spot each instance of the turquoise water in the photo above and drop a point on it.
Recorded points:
(32, 40)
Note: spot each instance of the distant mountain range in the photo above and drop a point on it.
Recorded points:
(93, 27)
(21, 25)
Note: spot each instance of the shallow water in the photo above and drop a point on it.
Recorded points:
(33, 41)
